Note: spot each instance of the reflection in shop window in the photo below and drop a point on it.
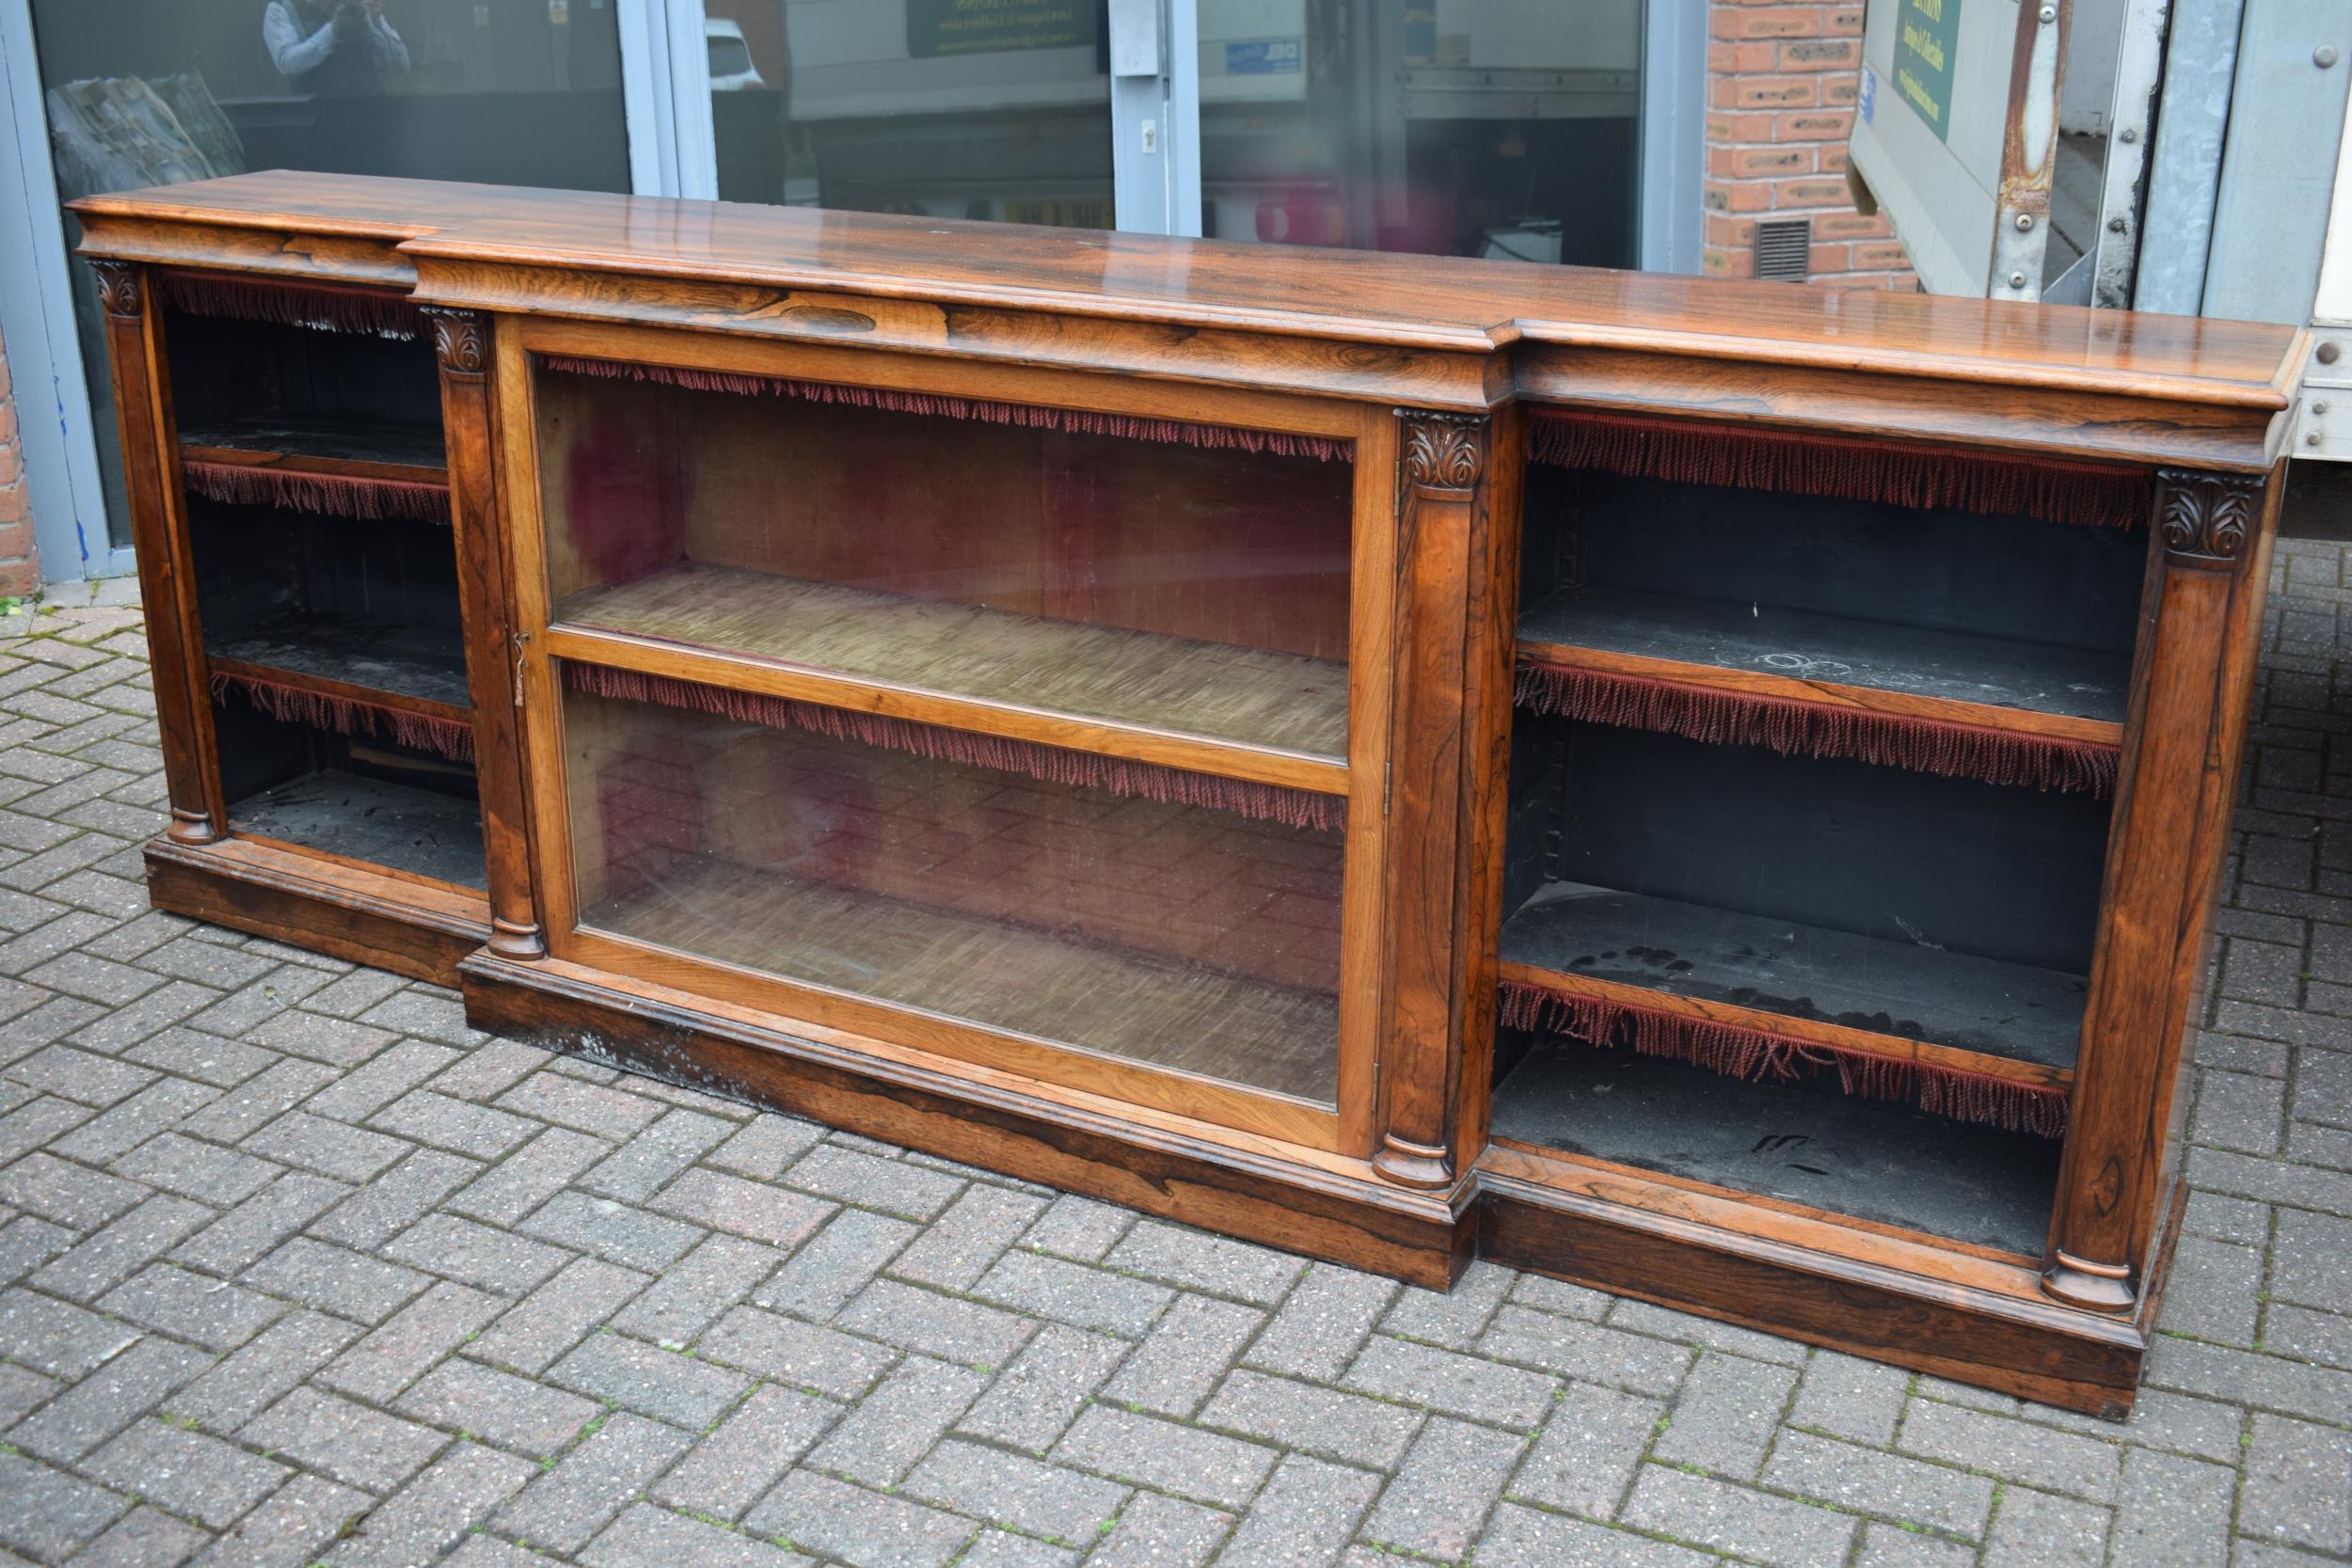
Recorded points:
(999, 112)
(1497, 128)
(160, 93)
(522, 92)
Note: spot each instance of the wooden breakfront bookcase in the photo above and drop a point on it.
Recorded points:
(1707, 789)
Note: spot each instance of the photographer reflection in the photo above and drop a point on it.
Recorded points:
(333, 46)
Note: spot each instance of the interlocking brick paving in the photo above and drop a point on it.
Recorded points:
(297, 1269)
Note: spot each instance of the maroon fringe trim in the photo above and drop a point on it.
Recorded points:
(1077, 421)
(298, 490)
(1752, 1054)
(320, 307)
(1796, 728)
(2100, 493)
(298, 705)
(1294, 808)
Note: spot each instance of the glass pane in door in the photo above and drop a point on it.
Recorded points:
(940, 107)
(1149, 583)
(1008, 885)
(158, 92)
(1495, 127)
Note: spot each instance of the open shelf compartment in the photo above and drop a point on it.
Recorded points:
(343, 467)
(398, 664)
(1984, 1015)
(1905, 936)
(1969, 676)
(361, 797)
(326, 578)
(351, 625)
(1950, 642)
(1863, 1159)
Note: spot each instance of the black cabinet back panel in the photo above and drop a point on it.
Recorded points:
(2062, 583)
(224, 370)
(258, 752)
(256, 567)
(1996, 871)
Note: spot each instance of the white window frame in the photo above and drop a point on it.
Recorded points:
(1672, 134)
(665, 94)
(55, 426)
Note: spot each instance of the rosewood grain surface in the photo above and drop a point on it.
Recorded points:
(1285, 290)
(1611, 1232)
(461, 341)
(1457, 492)
(159, 533)
(340, 908)
(2209, 562)
(1242, 1187)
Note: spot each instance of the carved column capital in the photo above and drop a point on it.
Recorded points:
(460, 340)
(1443, 451)
(121, 288)
(2207, 521)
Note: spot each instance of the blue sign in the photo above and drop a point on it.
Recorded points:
(1263, 57)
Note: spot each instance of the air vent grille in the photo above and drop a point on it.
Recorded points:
(1784, 250)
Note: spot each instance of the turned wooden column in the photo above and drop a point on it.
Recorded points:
(159, 538)
(1452, 648)
(461, 340)
(2174, 793)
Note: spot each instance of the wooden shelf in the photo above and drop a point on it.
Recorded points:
(1044, 985)
(1827, 1151)
(1212, 707)
(1891, 998)
(372, 820)
(1896, 671)
(352, 448)
(391, 666)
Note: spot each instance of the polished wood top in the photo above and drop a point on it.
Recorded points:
(1441, 303)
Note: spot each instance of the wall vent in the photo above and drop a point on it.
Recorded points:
(1784, 250)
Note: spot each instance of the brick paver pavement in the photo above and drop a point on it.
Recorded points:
(294, 1268)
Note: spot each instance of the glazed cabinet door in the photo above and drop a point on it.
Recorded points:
(1017, 724)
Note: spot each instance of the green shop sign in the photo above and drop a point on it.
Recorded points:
(977, 27)
(1926, 35)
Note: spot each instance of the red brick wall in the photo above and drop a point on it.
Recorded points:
(1780, 84)
(20, 564)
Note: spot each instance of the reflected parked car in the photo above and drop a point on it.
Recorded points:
(731, 67)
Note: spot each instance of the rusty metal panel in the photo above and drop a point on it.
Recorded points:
(1966, 182)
